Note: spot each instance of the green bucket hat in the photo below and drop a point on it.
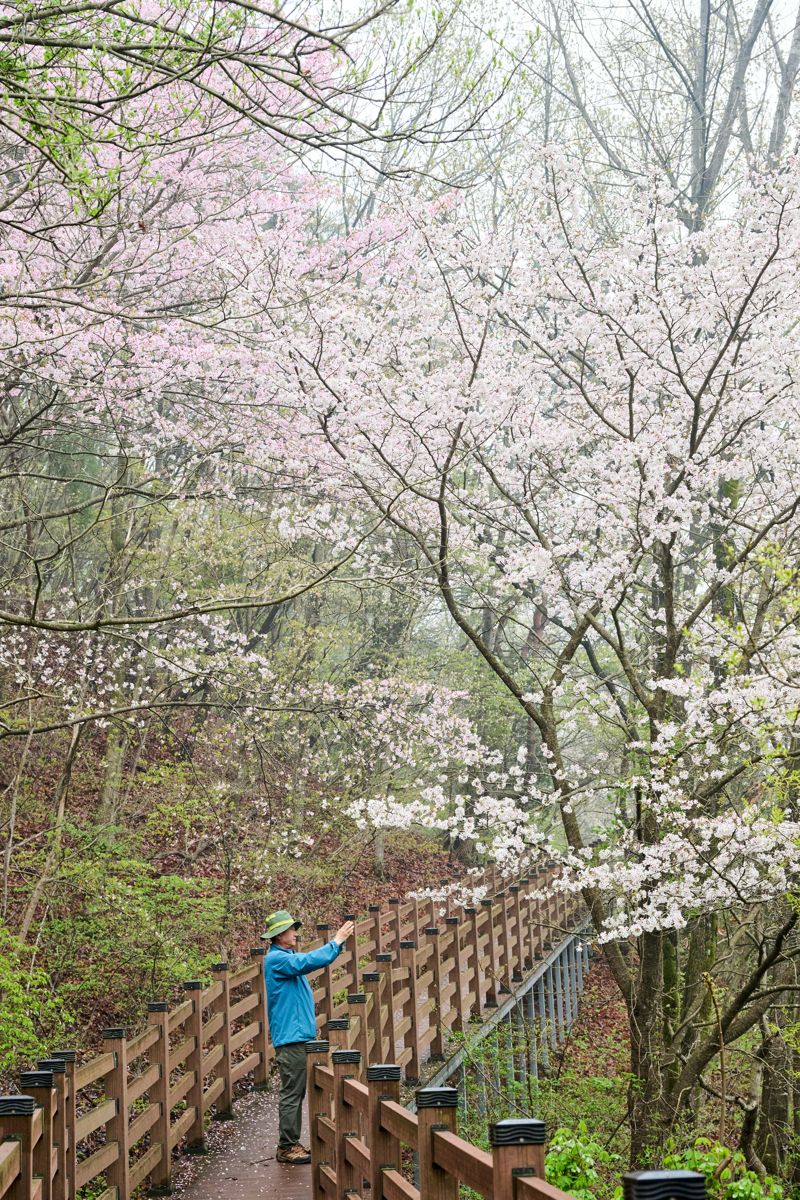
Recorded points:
(279, 922)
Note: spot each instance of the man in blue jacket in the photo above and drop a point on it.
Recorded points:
(292, 1021)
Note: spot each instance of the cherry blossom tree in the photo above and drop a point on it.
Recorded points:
(594, 442)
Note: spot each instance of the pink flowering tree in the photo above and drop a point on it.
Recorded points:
(586, 429)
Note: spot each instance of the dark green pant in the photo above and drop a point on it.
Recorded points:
(291, 1060)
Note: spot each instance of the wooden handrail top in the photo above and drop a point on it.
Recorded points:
(93, 1069)
(399, 1122)
(529, 1187)
(244, 974)
(143, 1042)
(324, 1077)
(356, 1094)
(180, 1015)
(212, 992)
(465, 1162)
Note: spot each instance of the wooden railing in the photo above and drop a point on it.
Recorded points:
(360, 1130)
(409, 975)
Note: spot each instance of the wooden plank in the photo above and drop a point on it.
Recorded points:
(243, 1006)
(111, 1193)
(211, 1058)
(247, 1064)
(10, 1160)
(144, 1165)
(145, 1081)
(181, 1053)
(181, 1126)
(244, 974)
(180, 1015)
(38, 1188)
(399, 1122)
(529, 1187)
(356, 1094)
(181, 1088)
(96, 1163)
(357, 1153)
(327, 1180)
(94, 1118)
(213, 1026)
(94, 1069)
(245, 1035)
(465, 1162)
(211, 993)
(324, 1077)
(142, 1043)
(142, 1123)
(326, 1130)
(397, 1188)
(214, 1092)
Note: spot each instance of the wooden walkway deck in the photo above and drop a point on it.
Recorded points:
(240, 1162)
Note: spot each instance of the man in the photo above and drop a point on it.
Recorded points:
(292, 1021)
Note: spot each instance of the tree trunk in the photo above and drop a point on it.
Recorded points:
(646, 1018)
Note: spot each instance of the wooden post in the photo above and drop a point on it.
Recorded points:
(316, 1053)
(161, 1175)
(222, 1005)
(460, 999)
(261, 1040)
(374, 911)
(416, 923)
(493, 966)
(386, 993)
(350, 951)
(383, 1083)
(60, 1136)
(519, 933)
(346, 1064)
(68, 1058)
(326, 1007)
(505, 943)
(436, 1110)
(408, 958)
(337, 1033)
(116, 1086)
(371, 982)
(437, 1045)
(357, 1014)
(517, 1150)
(16, 1121)
(474, 960)
(395, 934)
(194, 1063)
(39, 1084)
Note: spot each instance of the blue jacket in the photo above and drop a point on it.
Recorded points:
(290, 1002)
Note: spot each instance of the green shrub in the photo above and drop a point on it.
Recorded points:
(725, 1170)
(572, 1161)
(32, 1017)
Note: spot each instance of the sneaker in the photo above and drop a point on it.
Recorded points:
(295, 1156)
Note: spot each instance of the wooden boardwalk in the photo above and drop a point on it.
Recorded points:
(241, 1158)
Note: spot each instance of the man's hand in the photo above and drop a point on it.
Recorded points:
(343, 934)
